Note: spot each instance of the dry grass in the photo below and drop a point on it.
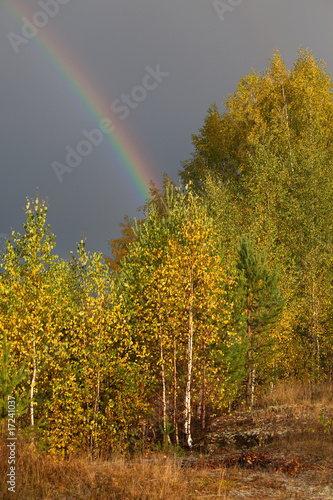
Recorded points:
(39, 477)
(293, 393)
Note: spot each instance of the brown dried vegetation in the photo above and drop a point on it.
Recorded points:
(294, 464)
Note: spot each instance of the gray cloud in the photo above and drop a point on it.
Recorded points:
(114, 42)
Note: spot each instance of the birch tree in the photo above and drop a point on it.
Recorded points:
(29, 312)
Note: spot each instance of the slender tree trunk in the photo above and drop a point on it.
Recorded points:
(315, 335)
(166, 438)
(163, 388)
(203, 389)
(249, 354)
(249, 384)
(274, 371)
(189, 366)
(96, 406)
(85, 378)
(32, 385)
(253, 378)
(175, 419)
(98, 388)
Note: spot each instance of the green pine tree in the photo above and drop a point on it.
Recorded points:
(260, 303)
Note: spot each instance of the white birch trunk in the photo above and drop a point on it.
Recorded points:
(187, 426)
(32, 386)
(166, 439)
(175, 422)
(253, 386)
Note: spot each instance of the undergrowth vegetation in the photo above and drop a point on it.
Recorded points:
(277, 470)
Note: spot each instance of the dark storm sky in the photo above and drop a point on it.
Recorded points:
(204, 48)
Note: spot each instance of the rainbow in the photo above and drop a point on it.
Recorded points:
(127, 154)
